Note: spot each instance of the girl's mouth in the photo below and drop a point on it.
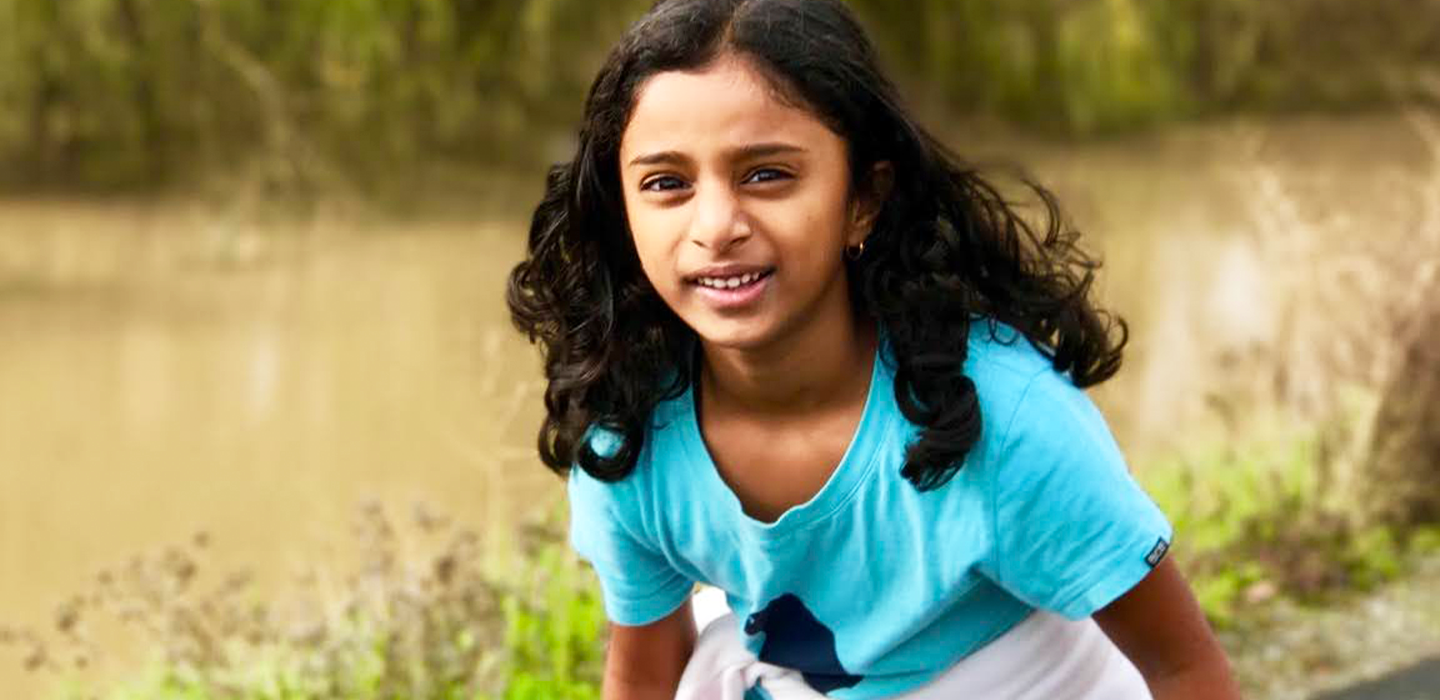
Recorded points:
(736, 292)
(733, 282)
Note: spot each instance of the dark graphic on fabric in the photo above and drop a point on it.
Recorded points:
(794, 638)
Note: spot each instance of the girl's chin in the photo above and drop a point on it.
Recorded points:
(733, 336)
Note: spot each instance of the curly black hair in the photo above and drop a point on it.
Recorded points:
(947, 250)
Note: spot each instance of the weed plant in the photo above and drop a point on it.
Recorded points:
(415, 616)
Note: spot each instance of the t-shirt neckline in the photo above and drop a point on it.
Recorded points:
(855, 464)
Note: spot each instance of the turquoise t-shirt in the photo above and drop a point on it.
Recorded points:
(872, 587)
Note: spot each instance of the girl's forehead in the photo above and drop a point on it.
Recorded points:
(725, 105)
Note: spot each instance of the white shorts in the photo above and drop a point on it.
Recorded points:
(1045, 657)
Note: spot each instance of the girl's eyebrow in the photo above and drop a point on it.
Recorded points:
(757, 150)
(761, 150)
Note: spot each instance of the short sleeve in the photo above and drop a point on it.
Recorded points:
(638, 584)
(1072, 529)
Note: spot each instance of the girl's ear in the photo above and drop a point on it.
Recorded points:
(865, 209)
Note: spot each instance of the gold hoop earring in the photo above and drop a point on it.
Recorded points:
(855, 251)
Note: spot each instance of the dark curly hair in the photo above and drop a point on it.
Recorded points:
(947, 249)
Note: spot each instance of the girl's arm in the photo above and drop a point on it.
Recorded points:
(1161, 628)
(645, 662)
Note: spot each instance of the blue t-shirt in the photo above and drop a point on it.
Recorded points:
(872, 587)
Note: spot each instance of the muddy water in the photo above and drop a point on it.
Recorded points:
(166, 369)
(159, 378)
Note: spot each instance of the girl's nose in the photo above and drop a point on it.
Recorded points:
(720, 222)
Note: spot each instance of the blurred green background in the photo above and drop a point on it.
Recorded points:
(134, 93)
(252, 257)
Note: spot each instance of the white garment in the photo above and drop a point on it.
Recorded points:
(1045, 657)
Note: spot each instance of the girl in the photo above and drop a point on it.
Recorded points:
(799, 353)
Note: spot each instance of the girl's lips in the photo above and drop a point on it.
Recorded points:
(737, 298)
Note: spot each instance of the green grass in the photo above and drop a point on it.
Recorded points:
(1258, 520)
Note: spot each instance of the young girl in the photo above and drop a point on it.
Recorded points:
(799, 353)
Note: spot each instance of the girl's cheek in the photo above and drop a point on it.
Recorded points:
(653, 269)
(658, 236)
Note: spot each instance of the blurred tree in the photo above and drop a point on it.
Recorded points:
(1401, 482)
(1403, 478)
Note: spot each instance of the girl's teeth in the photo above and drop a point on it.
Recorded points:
(730, 282)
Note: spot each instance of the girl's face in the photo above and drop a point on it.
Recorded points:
(739, 205)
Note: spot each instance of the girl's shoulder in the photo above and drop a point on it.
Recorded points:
(598, 504)
(1021, 393)
(1003, 361)
(664, 435)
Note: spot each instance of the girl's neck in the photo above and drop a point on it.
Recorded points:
(822, 366)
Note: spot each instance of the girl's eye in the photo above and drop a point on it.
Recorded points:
(767, 175)
(662, 184)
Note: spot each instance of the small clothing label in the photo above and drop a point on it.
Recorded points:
(1157, 553)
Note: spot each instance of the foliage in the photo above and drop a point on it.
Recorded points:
(553, 644)
(1255, 521)
(1097, 66)
(311, 91)
(417, 618)
(333, 93)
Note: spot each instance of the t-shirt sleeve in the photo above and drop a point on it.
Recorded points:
(1072, 529)
(637, 582)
